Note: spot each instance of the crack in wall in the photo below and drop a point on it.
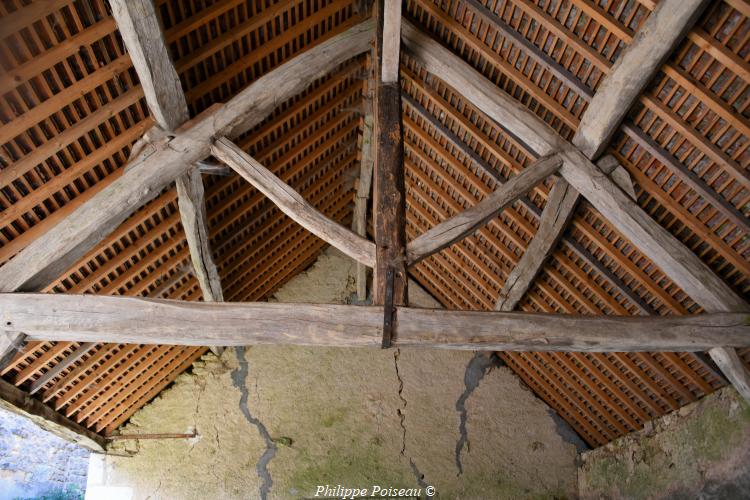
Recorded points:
(201, 390)
(476, 369)
(402, 415)
(158, 487)
(401, 411)
(239, 377)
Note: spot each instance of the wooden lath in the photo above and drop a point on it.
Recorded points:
(552, 57)
(148, 249)
(560, 289)
(289, 249)
(692, 291)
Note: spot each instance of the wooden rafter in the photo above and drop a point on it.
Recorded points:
(391, 46)
(161, 162)
(555, 218)
(664, 29)
(620, 89)
(140, 30)
(139, 275)
(149, 321)
(594, 270)
(677, 261)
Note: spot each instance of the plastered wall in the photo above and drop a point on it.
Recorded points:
(278, 422)
(700, 451)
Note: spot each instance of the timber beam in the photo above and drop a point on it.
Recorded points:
(364, 187)
(161, 157)
(139, 26)
(669, 254)
(622, 86)
(471, 219)
(389, 185)
(118, 319)
(162, 161)
(292, 203)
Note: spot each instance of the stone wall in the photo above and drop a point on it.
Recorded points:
(34, 463)
(699, 451)
(279, 421)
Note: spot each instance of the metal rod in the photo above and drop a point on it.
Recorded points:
(388, 310)
(122, 437)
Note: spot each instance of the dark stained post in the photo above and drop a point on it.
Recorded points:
(389, 198)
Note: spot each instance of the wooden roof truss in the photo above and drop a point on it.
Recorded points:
(409, 120)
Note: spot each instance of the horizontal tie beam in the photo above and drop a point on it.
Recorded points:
(113, 319)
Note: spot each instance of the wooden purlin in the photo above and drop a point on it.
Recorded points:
(693, 113)
(126, 262)
(498, 64)
(295, 237)
(673, 380)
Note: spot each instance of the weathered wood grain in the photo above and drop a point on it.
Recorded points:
(118, 319)
(139, 27)
(143, 37)
(515, 331)
(173, 322)
(192, 204)
(555, 217)
(677, 261)
(480, 91)
(468, 221)
(9, 345)
(389, 65)
(389, 184)
(366, 166)
(660, 34)
(292, 204)
(557, 214)
(159, 164)
(731, 366)
(672, 257)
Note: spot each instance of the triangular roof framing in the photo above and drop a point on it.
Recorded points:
(474, 83)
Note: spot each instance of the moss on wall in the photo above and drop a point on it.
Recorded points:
(700, 450)
(356, 417)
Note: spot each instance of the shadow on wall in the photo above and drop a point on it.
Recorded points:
(37, 464)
